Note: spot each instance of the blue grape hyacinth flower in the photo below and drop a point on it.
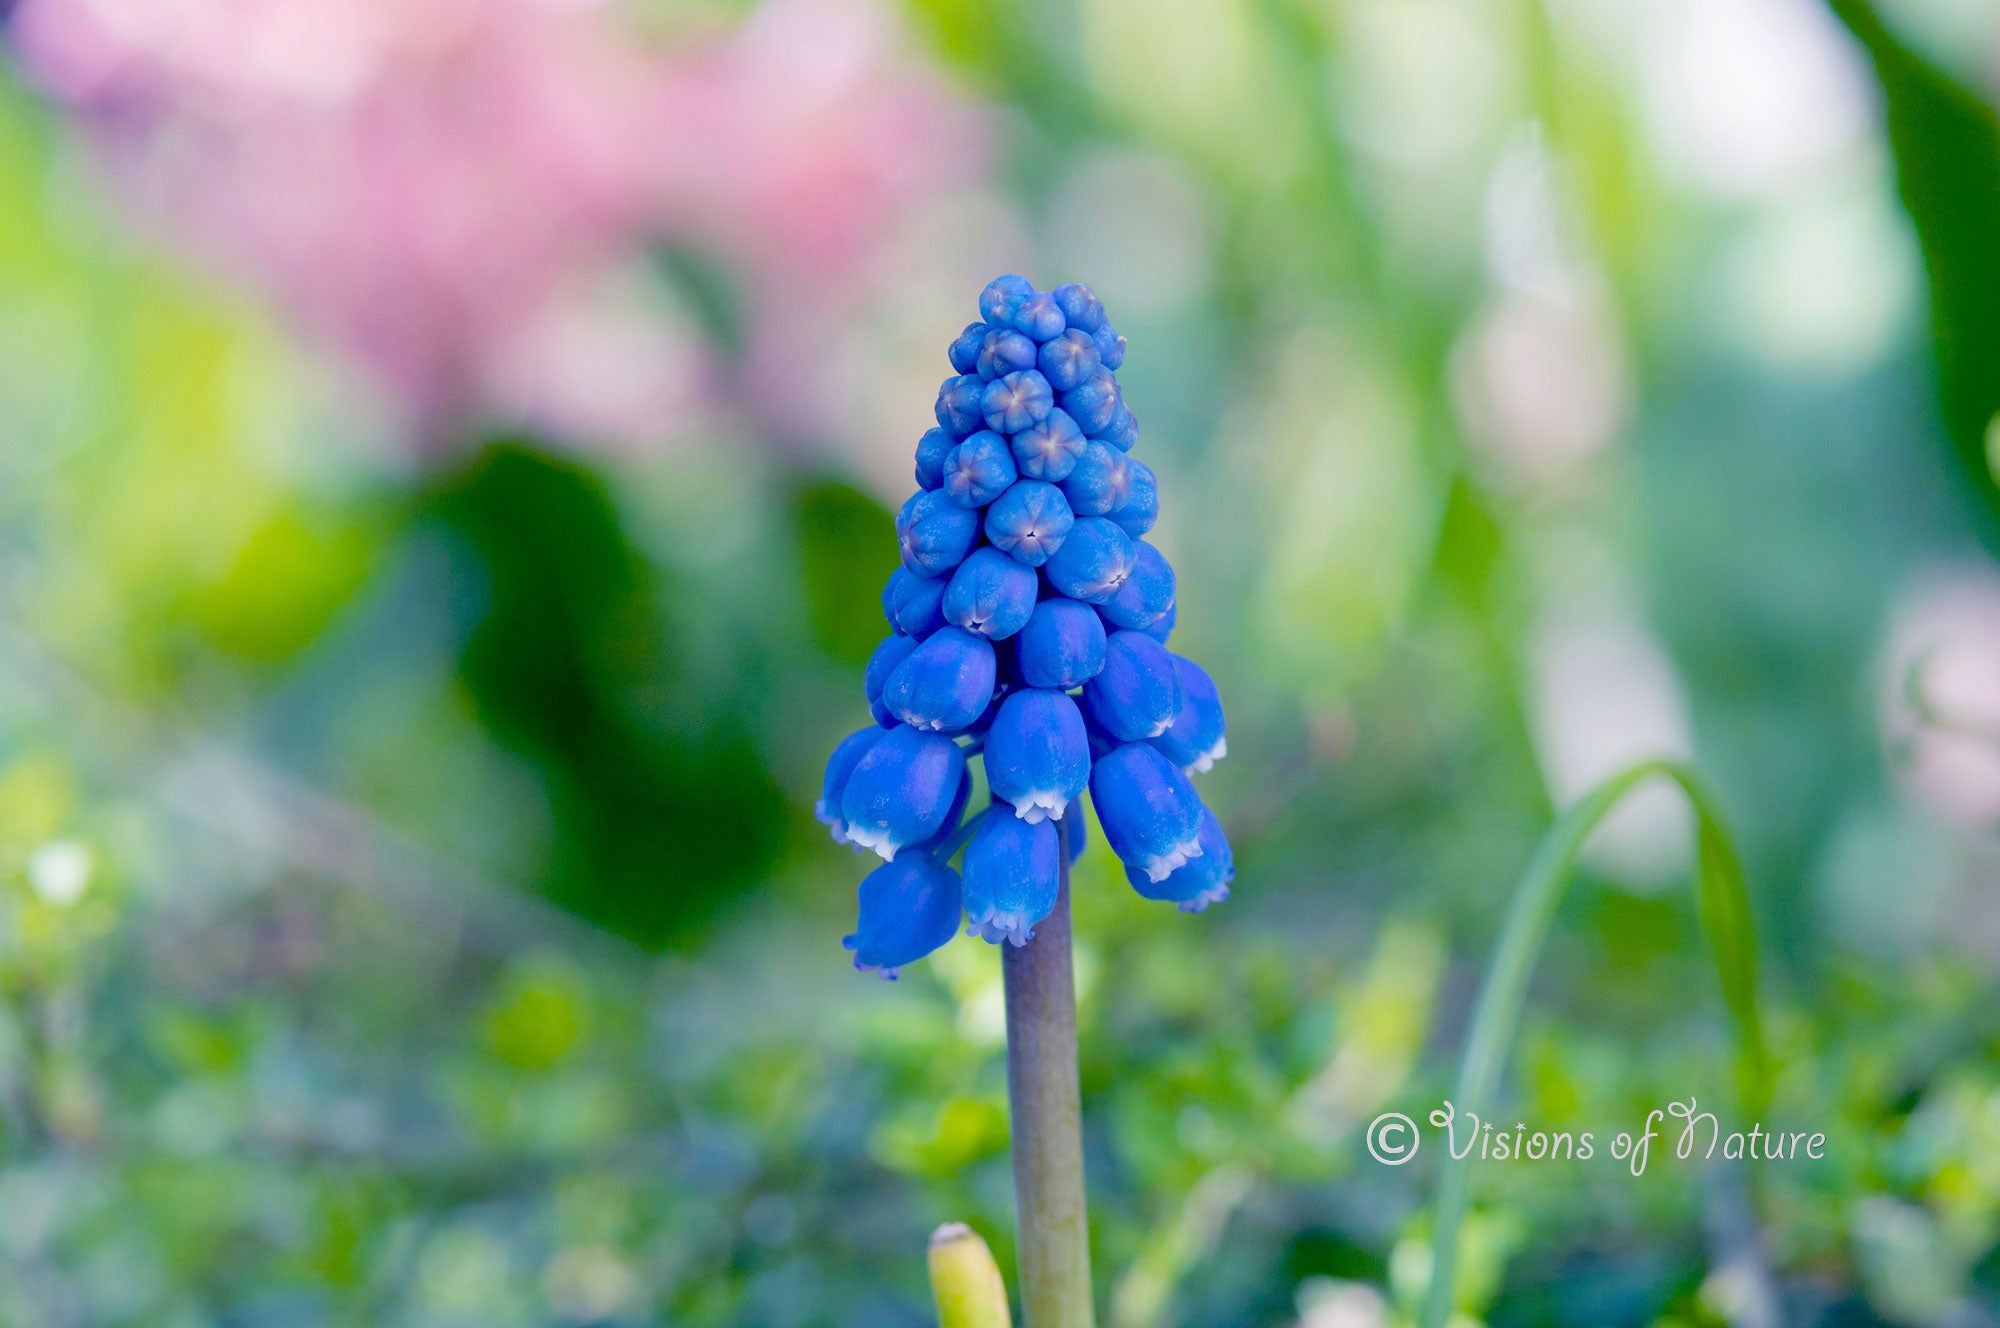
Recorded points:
(1029, 621)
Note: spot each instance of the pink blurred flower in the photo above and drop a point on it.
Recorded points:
(1941, 693)
(456, 191)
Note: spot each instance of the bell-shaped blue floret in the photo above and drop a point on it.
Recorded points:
(1136, 695)
(932, 449)
(838, 767)
(978, 470)
(944, 684)
(1197, 738)
(1163, 626)
(1141, 508)
(1080, 306)
(934, 533)
(1093, 562)
(1062, 646)
(914, 605)
(1092, 402)
(1029, 521)
(991, 595)
(1020, 399)
(1149, 811)
(1003, 297)
(965, 348)
(958, 407)
(951, 816)
(891, 653)
(1197, 884)
(1123, 431)
(1040, 317)
(1068, 360)
(1011, 877)
(1037, 754)
(1049, 450)
(1110, 346)
(909, 908)
(901, 790)
(1101, 481)
(1004, 351)
(1147, 593)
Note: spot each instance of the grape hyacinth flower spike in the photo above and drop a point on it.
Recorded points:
(1029, 622)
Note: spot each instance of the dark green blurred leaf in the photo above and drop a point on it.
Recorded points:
(847, 549)
(572, 667)
(1946, 142)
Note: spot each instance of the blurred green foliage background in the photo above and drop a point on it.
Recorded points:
(446, 458)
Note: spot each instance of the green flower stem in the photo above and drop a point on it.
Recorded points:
(1724, 909)
(1047, 1107)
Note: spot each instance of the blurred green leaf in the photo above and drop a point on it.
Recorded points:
(847, 549)
(1946, 142)
(662, 805)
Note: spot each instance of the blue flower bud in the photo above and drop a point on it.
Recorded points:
(1147, 593)
(1080, 307)
(934, 533)
(1062, 646)
(1136, 695)
(1029, 521)
(1197, 884)
(901, 790)
(1093, 562)
(909, 908)
(932, 449)
(1123, 431)
(944, 684)
(1163, 627)
(1037, 753)
(1149, 811)
(1092, 402)
(978, 470)
(1141, 508)
(965, 348)
(1197, 738)
(1040, 317)
(892, 652)
(838, 767)
(1011, 878)
(1049, 450)
(991, 595)
(1101, 481)
(914, 604)
(958, 409)
(1013, 403)
(1110, 346)
(1003, 297)
(1004, 351)
(1068, 360)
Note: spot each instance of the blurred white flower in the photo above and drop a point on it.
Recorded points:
(1824, 280)
(1941, 693)
(59, 871)
(1602, 694)
(1540, 379)
(1326, 1302)
(1540, 382)
(1747, 97)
